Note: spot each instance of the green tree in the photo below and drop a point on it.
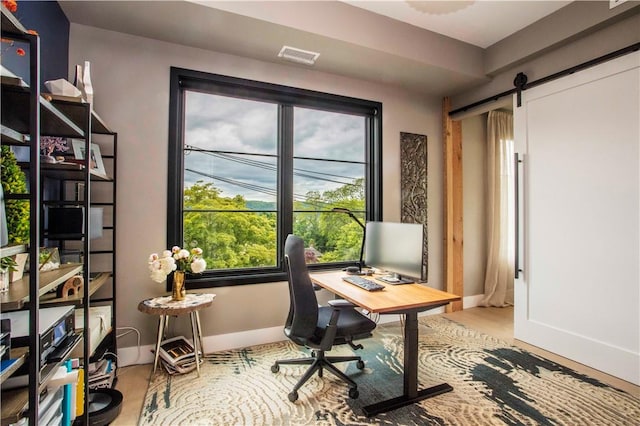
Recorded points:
(233, 236)
(228, 240)
(335, 235)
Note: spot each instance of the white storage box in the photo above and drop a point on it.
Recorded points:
(99, 324)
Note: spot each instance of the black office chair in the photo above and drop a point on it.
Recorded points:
(319, 327)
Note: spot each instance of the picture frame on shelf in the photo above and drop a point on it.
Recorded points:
(97, 165)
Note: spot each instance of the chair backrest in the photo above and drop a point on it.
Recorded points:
(303, 308)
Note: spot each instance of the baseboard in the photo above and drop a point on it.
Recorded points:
(606, 357)
(472, 301)
(135, 355)
(243, 339)
(221, 342)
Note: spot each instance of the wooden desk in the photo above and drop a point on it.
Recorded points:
(407, 299)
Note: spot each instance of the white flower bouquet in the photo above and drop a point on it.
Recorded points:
(176, 259)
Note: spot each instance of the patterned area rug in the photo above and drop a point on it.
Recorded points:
(493, 384)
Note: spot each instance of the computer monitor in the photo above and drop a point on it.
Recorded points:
(396, 248)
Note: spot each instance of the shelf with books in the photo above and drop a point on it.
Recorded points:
(15, 402)
(16, 360)
(11, 137)
(69, 170)
(15, 116)
(18, 294)
(94, 285)
(12, 249)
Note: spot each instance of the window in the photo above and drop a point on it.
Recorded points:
(251, 162)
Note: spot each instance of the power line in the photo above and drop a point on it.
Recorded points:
(260, 164)
(256, 188)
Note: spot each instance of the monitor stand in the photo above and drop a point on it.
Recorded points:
(395, 279)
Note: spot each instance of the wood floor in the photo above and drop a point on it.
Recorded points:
(498, 322)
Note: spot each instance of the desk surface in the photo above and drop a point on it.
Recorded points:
(392, 299)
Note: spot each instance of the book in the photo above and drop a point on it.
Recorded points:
(6, 363)
(181, 368)
(101, 374)
(176, 350)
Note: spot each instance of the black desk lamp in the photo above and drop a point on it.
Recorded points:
(364, 235)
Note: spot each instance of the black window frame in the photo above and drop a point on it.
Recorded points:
(287, 97)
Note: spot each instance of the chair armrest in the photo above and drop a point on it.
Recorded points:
(340, 303)
(330, 332)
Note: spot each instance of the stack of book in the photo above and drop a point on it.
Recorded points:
(102, 374)
(5, 339)
(178, 355)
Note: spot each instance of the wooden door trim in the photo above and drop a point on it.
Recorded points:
(453, 241)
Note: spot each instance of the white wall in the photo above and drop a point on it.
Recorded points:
(474, 171)
(131, 82)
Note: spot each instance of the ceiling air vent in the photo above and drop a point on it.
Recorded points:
(298, 55)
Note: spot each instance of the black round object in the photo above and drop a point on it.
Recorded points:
(104, 406)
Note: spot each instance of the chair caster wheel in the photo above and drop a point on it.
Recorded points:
(293, 396)
(275, 368)
(360, 365)
(353, 393)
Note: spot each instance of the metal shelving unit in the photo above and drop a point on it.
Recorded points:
(28, 123)
(27, 114)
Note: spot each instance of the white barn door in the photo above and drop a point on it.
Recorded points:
(578, 294)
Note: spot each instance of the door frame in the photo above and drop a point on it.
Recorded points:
(453, 230)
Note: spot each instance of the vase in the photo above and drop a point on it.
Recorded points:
(179, 291)
(77, 80)
(86, 82)
(21, 262)
(4, 281)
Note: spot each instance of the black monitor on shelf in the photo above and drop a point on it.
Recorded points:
(396, 248)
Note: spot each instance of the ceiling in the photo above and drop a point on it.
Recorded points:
(478, 22)
(433, 47)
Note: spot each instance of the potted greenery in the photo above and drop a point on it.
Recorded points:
(17, 211)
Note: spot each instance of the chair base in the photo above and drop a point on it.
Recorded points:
(320, 362)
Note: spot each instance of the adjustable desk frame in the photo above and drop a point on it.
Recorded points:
(408, 299)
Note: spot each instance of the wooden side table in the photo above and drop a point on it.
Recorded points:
(165, 307)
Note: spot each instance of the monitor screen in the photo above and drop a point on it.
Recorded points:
(396, 248)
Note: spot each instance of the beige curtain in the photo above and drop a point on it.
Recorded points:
(498, 284)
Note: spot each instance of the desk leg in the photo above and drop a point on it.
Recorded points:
(411, 393)
(161, 324)
(196, 340)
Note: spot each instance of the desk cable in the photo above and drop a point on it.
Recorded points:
(129, 330)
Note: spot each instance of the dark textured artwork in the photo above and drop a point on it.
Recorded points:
(413, 184)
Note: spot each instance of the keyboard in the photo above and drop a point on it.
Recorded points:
(363, 283)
